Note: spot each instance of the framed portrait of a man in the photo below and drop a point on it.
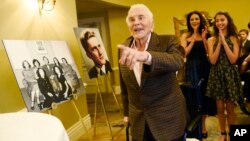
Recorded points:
(45, 72)
(93, 52)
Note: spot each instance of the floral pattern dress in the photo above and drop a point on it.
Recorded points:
(224, 79)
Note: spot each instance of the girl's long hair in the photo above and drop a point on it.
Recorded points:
(231, 28)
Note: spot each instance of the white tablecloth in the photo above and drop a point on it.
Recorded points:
(28, 126)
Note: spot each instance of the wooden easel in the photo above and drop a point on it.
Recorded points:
(98, 93)
(55, 105)
(113, 92)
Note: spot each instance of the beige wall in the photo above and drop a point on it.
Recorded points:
(121, 2)
(19, 20)
(164, 11)
(118, 33)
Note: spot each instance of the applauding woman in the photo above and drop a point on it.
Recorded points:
(224, 82)
(197, 64)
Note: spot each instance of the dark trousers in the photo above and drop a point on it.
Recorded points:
(179, 139)
(148, 136)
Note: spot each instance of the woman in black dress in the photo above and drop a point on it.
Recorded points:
(197, 64)
(65, 89)
(45, 88)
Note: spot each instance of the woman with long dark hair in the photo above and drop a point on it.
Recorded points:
(45, 88)
(224, 82)
(65, 89)
(197, 64)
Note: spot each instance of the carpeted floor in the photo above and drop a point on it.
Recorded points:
(116, 132)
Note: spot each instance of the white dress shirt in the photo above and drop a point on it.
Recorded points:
(103, 69)
(138, 65)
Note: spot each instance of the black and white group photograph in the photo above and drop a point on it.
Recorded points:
(45, 72)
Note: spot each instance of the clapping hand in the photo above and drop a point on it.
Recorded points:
(221, 37)
(50, 94)
(247, 59)
(130, 56)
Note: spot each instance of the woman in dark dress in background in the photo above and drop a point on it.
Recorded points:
(65, 89)
(197, 64)
(45, 88)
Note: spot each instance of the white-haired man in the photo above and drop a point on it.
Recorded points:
(154, 105)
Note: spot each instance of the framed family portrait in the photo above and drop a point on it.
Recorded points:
(40, 47)
(93, 51)
(45, 72)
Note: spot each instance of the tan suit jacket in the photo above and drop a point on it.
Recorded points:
(159, 100)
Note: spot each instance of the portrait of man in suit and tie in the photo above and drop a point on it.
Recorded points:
(95, 51)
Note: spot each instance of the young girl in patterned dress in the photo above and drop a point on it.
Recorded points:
(224, 82)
